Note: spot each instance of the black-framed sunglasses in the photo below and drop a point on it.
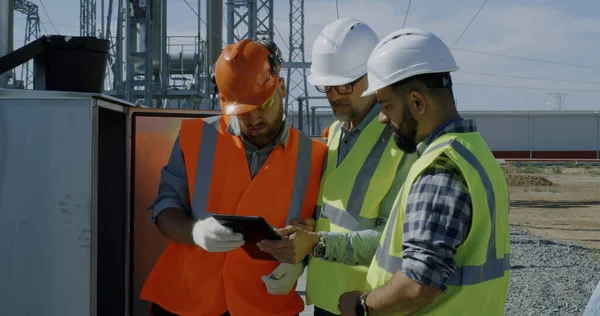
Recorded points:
(341, 89)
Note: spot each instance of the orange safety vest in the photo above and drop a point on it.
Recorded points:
(188, 280)
(325, 135)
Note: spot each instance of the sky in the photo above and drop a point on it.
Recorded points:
(513, 56)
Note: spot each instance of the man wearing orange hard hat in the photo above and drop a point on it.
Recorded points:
(247, 161)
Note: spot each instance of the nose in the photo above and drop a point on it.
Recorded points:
(333, 94)
(383, 119)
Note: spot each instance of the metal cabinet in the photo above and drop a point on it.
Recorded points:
(77, 171)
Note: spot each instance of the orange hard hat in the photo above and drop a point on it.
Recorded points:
(247, 74)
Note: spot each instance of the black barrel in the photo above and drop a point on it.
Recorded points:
(75, 63)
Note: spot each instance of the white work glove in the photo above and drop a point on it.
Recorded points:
(214, 237)
(283, 278)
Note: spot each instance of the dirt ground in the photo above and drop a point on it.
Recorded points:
(558, 202)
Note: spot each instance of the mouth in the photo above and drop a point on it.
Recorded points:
(340, 107)
(256, 128)
(339, 102)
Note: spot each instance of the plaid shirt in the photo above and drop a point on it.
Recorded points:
(438, 217)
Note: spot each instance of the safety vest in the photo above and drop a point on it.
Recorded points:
(349, 201)
(480, 283)
(188, 280)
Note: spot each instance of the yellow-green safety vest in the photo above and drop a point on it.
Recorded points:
(480, 284)
(349, 201)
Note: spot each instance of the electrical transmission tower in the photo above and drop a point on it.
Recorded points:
(254, 19)
(559, 103)
(87, 18)
(148, 64)
(115, 58)
(249, 19)
(296, 74)
(264, 19)
(32, 32)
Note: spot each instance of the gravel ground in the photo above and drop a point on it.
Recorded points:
(549, 278)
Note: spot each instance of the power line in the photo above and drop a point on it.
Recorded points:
(44, 27)
(525, 58)
(284, 43)
(406, 15)
(59, 24)
(196, 13)
(305, 24)
(524, 77)
(473, 19)
(49, 19)
(522, 88)
(202, 5)
(199, 17)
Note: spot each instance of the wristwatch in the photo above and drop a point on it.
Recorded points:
(318, 250)
(361, 306)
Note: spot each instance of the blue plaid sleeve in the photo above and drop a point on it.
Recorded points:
(437, 221)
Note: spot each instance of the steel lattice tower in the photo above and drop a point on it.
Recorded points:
(32, 32)
(254, 19)
(87, 18)
(264, 19)
(249, 19)
(296, 74)
(241, 20)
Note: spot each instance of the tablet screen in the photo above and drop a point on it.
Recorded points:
(254, 229)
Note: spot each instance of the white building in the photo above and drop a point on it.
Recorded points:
(512, 134)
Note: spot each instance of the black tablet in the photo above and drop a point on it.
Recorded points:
(254, 229)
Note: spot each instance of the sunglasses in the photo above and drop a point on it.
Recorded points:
(341, 89)
(267, 104)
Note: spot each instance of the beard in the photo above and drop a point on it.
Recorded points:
(405, 134)
(263, 133)
(343, 110)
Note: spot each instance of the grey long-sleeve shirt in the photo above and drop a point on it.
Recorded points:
(358, 248)
(173, 186)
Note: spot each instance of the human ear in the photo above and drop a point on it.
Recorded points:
(417, 101)
(281, 87)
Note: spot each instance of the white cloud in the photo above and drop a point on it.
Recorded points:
(529, 31)
(550, 30)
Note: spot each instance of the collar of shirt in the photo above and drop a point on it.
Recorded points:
(374, 112)
(282, 138)
(461, 126)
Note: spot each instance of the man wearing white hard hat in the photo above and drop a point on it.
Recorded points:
(593, 305)
(363, 172)
(445, 249)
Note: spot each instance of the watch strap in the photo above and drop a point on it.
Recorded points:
(318, 250)
(361, 305)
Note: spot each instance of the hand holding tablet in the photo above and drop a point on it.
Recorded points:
(254, 229)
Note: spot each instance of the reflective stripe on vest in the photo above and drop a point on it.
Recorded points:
(466, 275)
(334, 130)
(206, 158)
(350, 218)
(351, 197)
(188, 280)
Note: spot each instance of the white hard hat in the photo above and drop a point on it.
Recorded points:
(341, 51)
(405, 53)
